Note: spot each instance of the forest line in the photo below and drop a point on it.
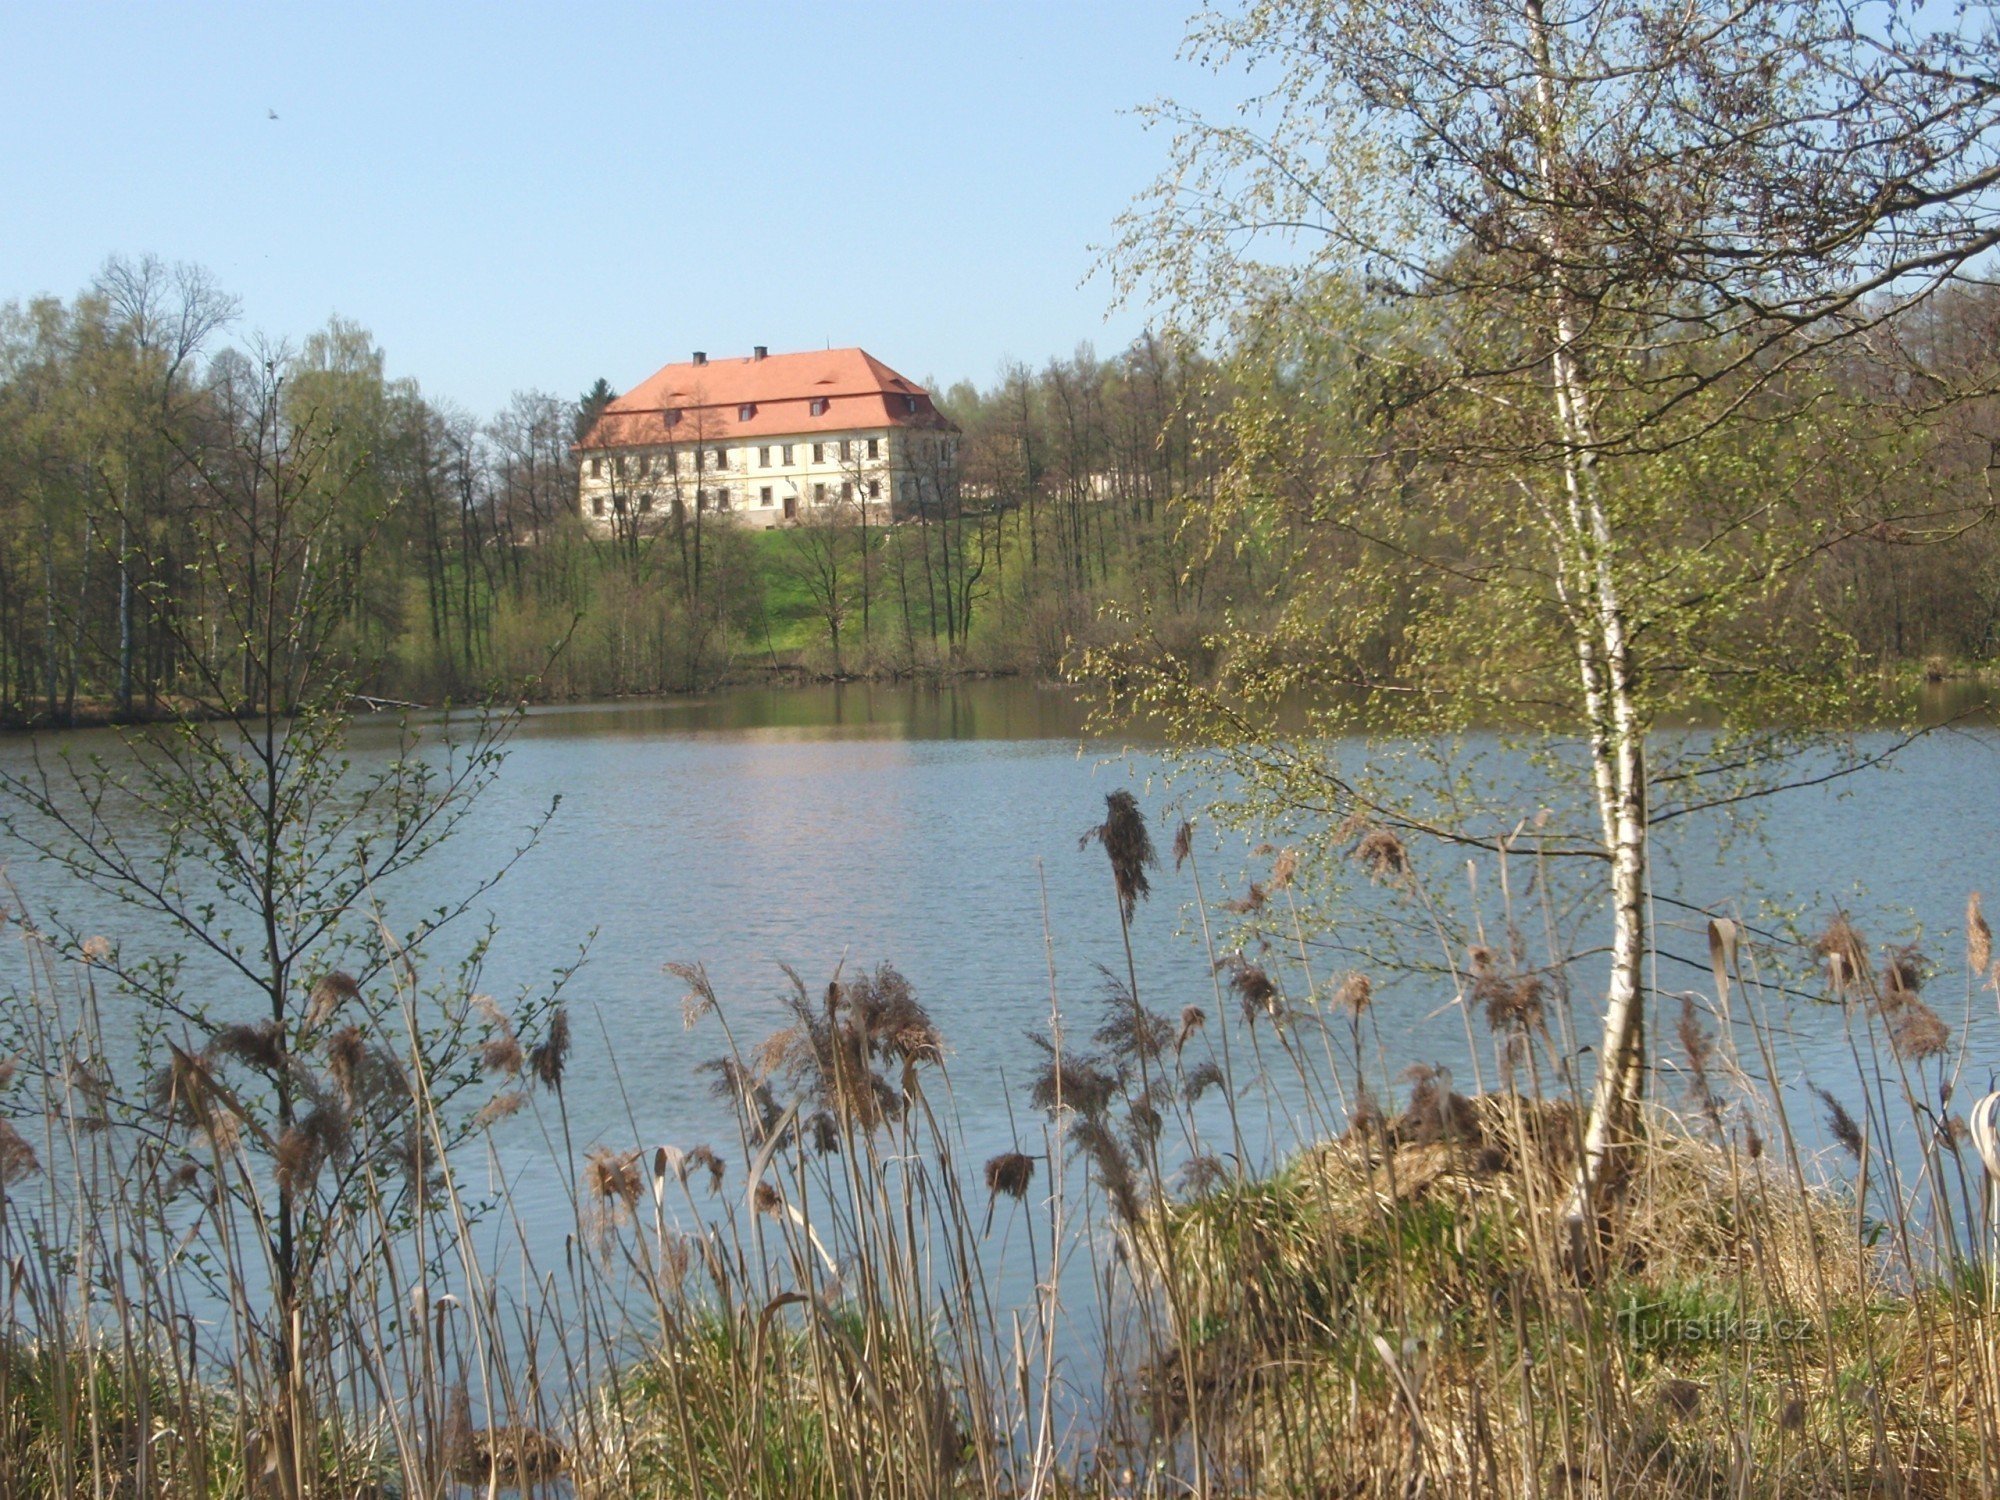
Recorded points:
(1091, 507)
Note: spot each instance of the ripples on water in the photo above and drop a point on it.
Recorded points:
(928, 828)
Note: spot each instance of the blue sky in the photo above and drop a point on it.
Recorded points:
(511, 196)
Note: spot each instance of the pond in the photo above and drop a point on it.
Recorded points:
(937, 829)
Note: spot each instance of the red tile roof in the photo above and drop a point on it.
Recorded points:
(705, 403)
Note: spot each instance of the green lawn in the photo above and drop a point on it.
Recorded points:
(789, 609)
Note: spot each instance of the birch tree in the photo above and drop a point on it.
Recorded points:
(1561, 266)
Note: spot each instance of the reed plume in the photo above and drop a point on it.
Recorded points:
(735, 1083)
(1513, 1002)
(1917, 1032)
(1202, 1077)
(1383, 855)
(1128, 846)
(1133, 1033)
(824, 1133)
(612, 1177)
(1841, 1124)
(550, 1055)
(1081, 1082)
(700, 997)
(1354, 994)
(1115, 1173)
(501, 1052)
(324, 1134)
(182, 1091)
(1143, 1122)
(1904, 970)
(502, 1055)
(501, 1106)
(259, 1046)
(1255, 993)
(1699, 1049)
(893, 1025)
(346, 1061)
(705, 1158)
(1250, 901)
(1845, 952)
(329, 992)
(1202, 1173)
(17, 1157)
(1010, 1173)
(1978, 939)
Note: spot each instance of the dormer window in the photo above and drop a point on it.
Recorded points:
(819, 406)
(745, 413)
(910, 404)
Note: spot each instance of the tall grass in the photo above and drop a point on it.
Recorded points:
(827, 1297)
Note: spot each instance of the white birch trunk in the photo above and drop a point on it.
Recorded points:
(1589, 584)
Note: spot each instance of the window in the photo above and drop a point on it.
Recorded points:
(819, 453)
(646, 500)
(721, 458)
(788, 455)
(597, 468)
(645, 464)
(819, 494)
(596, 502)
(874, 489)
(745, 413)
(847, 491)
(763, 458)
(700, 501)
(910, 403)
(764, 495)
(874, 447)
(846, 450)
(722, 499)
(618, 466)
(818, 407)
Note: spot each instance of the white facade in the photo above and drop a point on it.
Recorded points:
(768, 481)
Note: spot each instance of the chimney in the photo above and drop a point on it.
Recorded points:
(700, 358)
(760, 352)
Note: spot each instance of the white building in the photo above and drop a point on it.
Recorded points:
(767, 439)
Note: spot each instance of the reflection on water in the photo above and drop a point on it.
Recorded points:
(996, 710)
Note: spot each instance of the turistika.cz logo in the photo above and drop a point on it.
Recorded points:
(1653, 1324)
